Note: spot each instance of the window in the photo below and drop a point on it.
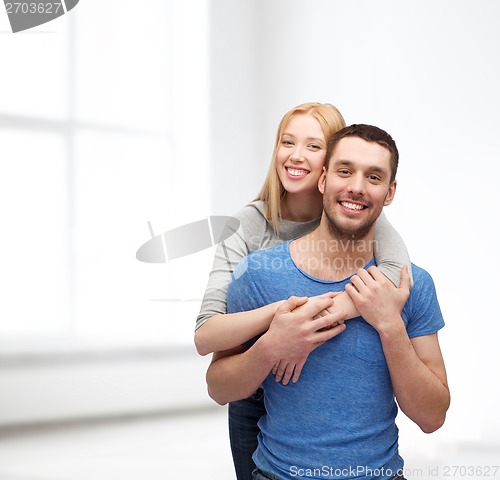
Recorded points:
(103, 127)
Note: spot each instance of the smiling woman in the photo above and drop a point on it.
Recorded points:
(299, 163)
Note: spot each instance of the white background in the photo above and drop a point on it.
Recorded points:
(167, 111)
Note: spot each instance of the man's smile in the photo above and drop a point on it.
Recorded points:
(352, 207)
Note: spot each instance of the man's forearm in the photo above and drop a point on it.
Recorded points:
(421, 390)
(233, 377)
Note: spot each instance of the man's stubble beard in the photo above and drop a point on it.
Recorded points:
(345, 234)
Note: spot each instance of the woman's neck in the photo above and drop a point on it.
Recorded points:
(302, 207)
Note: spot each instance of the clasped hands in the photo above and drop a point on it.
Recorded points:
(301, 324)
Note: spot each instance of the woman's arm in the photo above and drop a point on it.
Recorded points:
(390, 251)
(215, 329)
(295, 331)
(225, 331)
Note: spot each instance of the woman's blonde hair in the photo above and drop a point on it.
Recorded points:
(273, 192)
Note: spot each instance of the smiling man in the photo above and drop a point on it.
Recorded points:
(338, 420)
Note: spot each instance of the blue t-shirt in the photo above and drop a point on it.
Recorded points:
(338, 420)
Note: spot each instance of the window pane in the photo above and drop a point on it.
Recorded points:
(122, 182)
(34, 80)
(122, 64)
(34, 277)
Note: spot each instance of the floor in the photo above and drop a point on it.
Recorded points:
(187, 446)
(184, 446)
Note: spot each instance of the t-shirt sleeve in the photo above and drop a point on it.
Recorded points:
(422, 309)
(242, 293)
(228, 255)
(390, 250)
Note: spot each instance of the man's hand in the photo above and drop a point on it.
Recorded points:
(378, 301)
(289, 368)
(300, 325)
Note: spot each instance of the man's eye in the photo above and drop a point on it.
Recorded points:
(374, 178)
(344, 172)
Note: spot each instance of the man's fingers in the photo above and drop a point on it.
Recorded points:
(329, 294)
(280, 370)
(288, 373)
(351, 290)
(326, 335)
(405, 278)
(316, 305)
(369, 276)
(375, 273)
(328, 320)
(298, 370)
(291, 304)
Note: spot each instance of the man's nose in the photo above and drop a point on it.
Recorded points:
(357, 184)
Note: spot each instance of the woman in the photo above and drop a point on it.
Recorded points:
(288, 206)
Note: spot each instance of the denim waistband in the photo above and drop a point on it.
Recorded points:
(260, 475)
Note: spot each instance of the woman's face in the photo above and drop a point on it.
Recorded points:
(301, 154)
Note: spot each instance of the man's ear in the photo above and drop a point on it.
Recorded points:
(322, 181)
(390, 194)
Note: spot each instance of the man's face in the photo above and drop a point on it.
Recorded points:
(356, 186)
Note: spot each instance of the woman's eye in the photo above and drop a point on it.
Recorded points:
(315, 147)
(287, 142)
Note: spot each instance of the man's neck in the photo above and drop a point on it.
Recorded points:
(328, 255)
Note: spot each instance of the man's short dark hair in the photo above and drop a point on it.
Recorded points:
(368, 133)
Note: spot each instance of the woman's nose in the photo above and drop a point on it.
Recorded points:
(297, 155)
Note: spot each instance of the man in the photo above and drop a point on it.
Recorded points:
(338, 420)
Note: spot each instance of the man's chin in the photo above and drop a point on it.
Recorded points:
(350, 230)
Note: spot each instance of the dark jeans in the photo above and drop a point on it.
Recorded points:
(243, 431)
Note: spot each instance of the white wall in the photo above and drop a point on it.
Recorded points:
(427, 72)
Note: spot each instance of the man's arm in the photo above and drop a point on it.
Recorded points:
(418, 377)
(294, 332)
(416, 366)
